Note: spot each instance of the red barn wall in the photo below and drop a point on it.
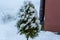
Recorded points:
(52, 15)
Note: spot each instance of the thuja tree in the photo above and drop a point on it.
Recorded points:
(29, 23)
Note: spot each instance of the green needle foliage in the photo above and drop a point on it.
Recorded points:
(28, 24)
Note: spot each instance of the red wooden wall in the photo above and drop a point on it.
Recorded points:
(52, 15)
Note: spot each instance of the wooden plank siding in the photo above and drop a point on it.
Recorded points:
(52, 15)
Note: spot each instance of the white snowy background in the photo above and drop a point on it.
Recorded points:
(8, 30)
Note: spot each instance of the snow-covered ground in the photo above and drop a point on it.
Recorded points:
(8, 30)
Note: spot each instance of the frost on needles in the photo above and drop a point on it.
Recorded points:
(29, 24)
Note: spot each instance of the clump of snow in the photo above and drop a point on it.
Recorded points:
(33, 15)
(29, 20)
(38, 21)
(33, 24)
(22, 25)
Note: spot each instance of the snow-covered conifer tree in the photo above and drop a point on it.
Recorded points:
(29, 24)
